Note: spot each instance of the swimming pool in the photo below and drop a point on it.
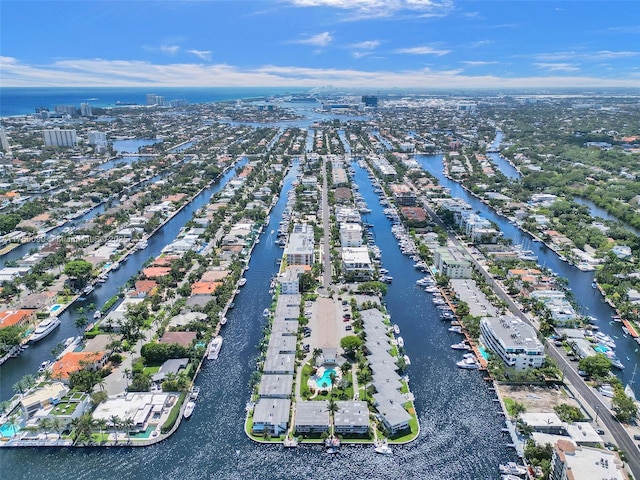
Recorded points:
(325, 380)
(8, 430)
(484, 353)
(56, 307)
(600, 348)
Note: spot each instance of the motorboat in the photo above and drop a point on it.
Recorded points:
(242, 282)
(381, 447)
(468, 363)
(460, 346)
(396, 329)
(88, 289)
(193, 394)
(44, 328)
(425, 282)
(141, 245)
(455, 329)
(265, 312)
(44, 365)
(223, 321)
(188, 409)
(512, 468)
(97, 314)
(214, 348)
(407, 360)
(400, 341)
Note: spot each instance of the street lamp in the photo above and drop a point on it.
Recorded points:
(597, 412)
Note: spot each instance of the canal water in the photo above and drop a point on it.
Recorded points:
(460, 423)
(14, 368)
(589, 299)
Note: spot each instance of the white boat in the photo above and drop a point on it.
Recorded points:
(265, 312)
(468, 363)
(455, 329)
(115, 266)
(509, 477)
(400, 342)
(193, 394)
(88, 289)
(44, 328)
(97, 314)
(425, 282)
(386, 279)
(407, 360)
(223, 321)
(214, 348)
(242, 282)
(188, 409)
(141, 245)
(432, 289)
(512, 468)
(44, 365)
(382, 448)
(460, 346)
(396, 329)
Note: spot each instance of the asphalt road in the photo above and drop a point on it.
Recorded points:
(619, 434)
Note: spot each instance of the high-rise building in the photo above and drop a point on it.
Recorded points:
(85, 110)
(4, 141)
(60, 138)
(370, 100)
(97, 138)
(68, 109)
(153, 99)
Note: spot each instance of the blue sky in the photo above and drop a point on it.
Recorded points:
(344, 43)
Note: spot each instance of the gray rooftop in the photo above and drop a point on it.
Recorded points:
(283, 343)
(273, 411)
(513, 334)
(276, 385)
(284, 327)
(312, 413)
(277, 362)
(393, 413)
(351, 413)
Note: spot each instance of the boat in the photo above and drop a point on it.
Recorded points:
(188, 409)
(265, 312)
(432, 289)
(386, 279)
(468, 364)
(115, 266)
(407, 360)
(455, 329)
(242, 282)
(425, 282)
(141, 245)
(193, 394)
(97, 314)
(214, 348)
(509, 477)
(44, 328)
(460, 346)
(332, 450)
(512, 468)
(381, 447)
(44, 365)
(223, 321)
(400, 341)
(396, 329)
(88, 289)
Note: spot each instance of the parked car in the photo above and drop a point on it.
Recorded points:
(348, 327)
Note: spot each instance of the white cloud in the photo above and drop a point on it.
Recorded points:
(424, 50)
(100, 72)
(585, 56)
(481, 43)
(478, 63)
(320, 40)
(365, 9)
(366, 45)
(558, 67)
(202, 54)
(169, 49)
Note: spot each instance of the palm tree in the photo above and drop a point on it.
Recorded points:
(126, 373)
(81, 322)
(128, 425)
(345, 368)
(45, 425)
(115, 424)
(57, 425)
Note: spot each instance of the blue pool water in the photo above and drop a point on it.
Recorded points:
(107, 266)
(56, 307)
(601, 348)
(325, 380)
(484, 353)
(8, 430)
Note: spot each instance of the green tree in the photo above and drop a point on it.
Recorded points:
(623, 406)
(80, 270)
(350, 344)
(597, 366)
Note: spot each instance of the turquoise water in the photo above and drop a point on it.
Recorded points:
(107, 266)
(484, 353)
(145, 434)
(8, 430)
(601, 348)
(55, 308)
(325, 380)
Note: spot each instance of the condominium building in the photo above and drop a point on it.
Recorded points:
(573, 462)
(513, 341)
(60, 138)
(300, 248)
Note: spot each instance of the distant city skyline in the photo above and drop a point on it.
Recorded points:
(313, 43)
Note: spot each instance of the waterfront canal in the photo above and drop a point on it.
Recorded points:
(14, 368)
(589, 299)
(460, 423)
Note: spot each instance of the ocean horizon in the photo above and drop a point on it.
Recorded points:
(25, 100)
